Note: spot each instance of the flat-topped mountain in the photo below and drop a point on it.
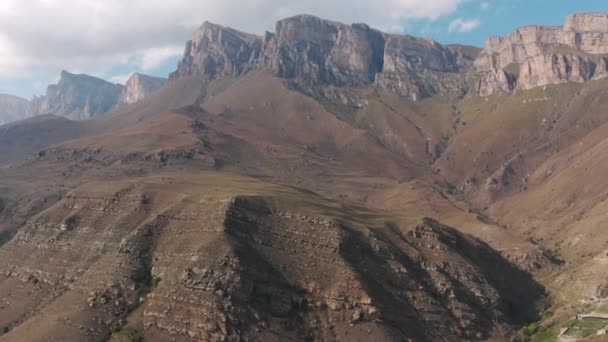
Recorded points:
(314, 51)
(539, 55)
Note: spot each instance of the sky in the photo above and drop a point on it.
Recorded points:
(111, 39)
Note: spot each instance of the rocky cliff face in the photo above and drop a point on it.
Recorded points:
(322, 52)
(539, 55)
(140, 86)
(216, 52)
(417, 67)
(13, 108)
(79, 97)
(82, 96)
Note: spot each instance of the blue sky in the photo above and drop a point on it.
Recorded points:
(500, 17)
(112, 38)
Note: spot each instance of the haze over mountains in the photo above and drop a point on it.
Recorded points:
(323, 182)
(79, 97)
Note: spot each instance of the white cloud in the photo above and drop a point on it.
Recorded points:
(154, 57)
(462, 25)
(120, 79)
(94, 36)
(485, 6)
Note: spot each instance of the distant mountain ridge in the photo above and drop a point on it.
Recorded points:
(315, 53)
(13, 108)
(79, 96)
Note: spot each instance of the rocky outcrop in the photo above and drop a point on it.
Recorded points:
(587, 32)
(317, 52)
(324, 52)
(539, 55)
(415, 67)
(217, 52)
(79, 97)
(13, 108)
(140, 86)
(82, 96)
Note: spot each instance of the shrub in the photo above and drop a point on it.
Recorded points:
(131, 333)
(532, 329)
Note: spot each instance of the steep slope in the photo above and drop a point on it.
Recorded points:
(237, 276)
(13, 108)
(527, 128)
(23, 139)
(565, 208)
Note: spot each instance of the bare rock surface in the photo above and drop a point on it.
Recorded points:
(249, 267)
(536, 55)
(319, 52)
(13, 108)
(140, 86)
(79, 97)
(216, 52)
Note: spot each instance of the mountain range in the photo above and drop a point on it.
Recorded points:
(79, 96)
(323, 182)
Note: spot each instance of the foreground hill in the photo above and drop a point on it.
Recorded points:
(255, 260)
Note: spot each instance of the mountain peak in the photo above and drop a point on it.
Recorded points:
(140, 86)
(83, 79)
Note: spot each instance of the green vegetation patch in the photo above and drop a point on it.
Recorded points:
(588, 327)
(150, 284)
(131, 333)
(549, 335)
(532, 329)
(547, 313)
